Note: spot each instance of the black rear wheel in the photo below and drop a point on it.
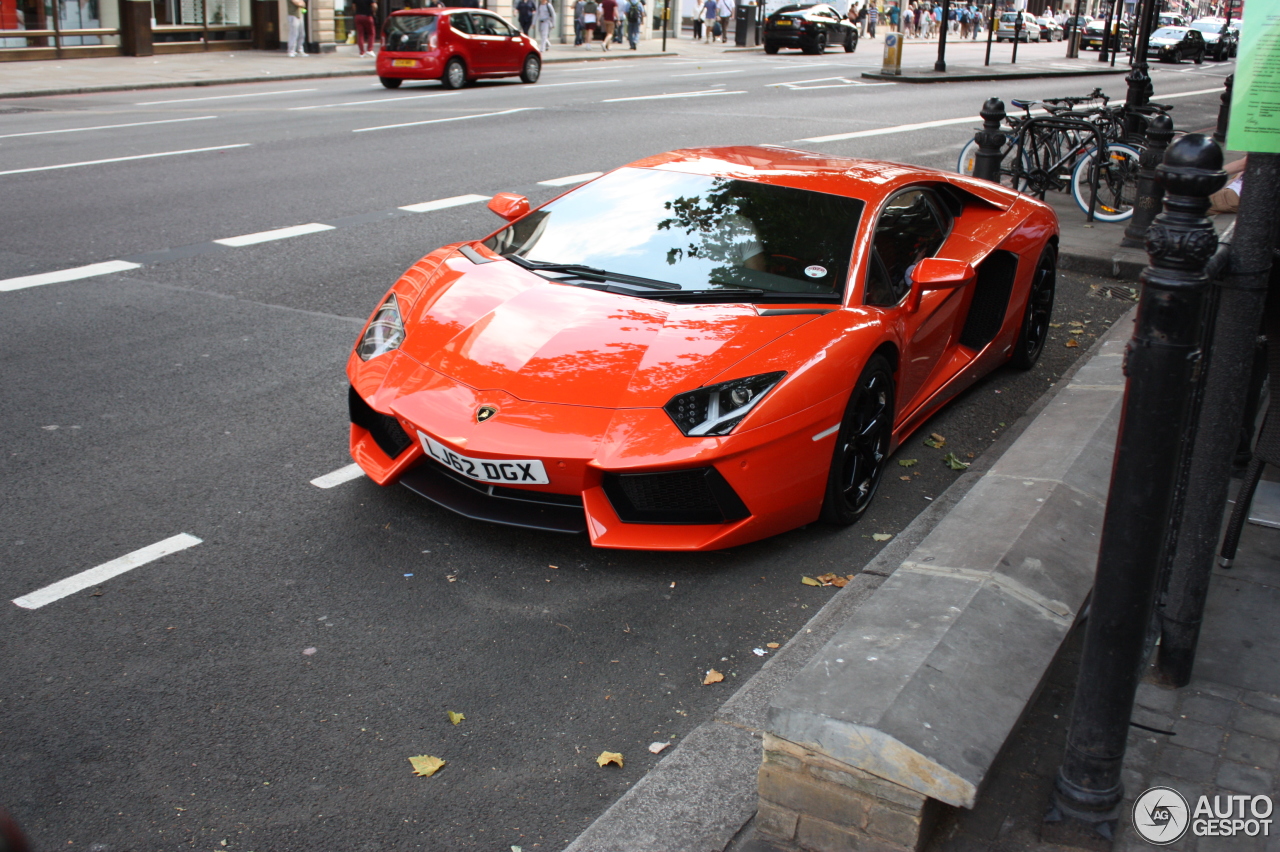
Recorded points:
(390, 82)
(770, 47)
(1035, 322)
(862, 445)
(455, 74)
(850, 42)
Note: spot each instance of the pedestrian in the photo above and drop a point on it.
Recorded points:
(724, 9)
(708, 15)
(635, 19)
(621, 23)
(364, 12)
(964, 22)
(578, 9)
(1227, 199)
(297, 9)
(895, 17)
(590, 13)
(862, 22)
(872, 14)
(609, 19)
(545, 21)
(525, 10)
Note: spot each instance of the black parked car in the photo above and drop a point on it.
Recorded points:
(810, 27)
(1173, 44)
(1219, 41)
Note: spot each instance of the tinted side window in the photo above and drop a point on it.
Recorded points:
(460, 21)
(908, 231)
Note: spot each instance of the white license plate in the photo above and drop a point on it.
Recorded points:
(505, 472)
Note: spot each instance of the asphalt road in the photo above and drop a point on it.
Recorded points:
(263, 689)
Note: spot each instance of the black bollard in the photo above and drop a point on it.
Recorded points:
(1224, 112)
(1160, 363)
(990, 141)
(1138, 81)
(1150, 193)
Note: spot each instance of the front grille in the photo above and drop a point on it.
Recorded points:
(698, 496)
(383, 428)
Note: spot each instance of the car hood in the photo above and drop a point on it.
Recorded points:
(498, 326)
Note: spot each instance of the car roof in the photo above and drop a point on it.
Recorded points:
(870, 180)
(437, 10)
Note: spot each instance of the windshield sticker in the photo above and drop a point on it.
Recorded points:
(815, 271)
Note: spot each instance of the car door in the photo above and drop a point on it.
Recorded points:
(509, 47)
(489, 45)
(911, 226)
(463, 40)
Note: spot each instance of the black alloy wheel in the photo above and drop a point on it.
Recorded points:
(862, 445)
(390, 82)
(850, 43)
(1035, 322)
(455, 74)
(819, 44)
(770, 47)
(532, 69)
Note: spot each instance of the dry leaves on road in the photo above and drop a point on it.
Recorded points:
(953, 461)
(455, 718)
(713, 676)
(881, 536)
(935, 440)
(907, 462)
(607, 757)
(827, 580)
(425, 765)
(657, 748)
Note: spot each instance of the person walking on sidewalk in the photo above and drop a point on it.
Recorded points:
(364, 12)
(635, 18)
(609, 17)
(577, 22)
(590, 13)
(297, 9)
(545, 21)
(894, 17)
(525, 10)
(724, 11)
(707, 14)
(872, 15)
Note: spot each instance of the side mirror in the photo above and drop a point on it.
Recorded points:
(509, 206)
(937, 273)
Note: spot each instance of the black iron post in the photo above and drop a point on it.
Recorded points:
(990, 31)
(1073, 33)
(666, 13)
(1224, 112)
(1139, 78)
(1106, 35)
(1160, 363)
(1242, 297)
(1150, 193)
(1017, 35)
(941, 64)
(990, 141)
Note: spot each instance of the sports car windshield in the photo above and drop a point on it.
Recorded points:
(670, 233)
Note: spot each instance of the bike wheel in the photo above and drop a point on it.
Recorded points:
(1008, 172)
(1117, 182)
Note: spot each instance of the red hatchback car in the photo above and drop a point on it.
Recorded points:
(454, 46)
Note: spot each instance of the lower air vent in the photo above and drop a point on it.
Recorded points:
(698, 496)
(384, 429)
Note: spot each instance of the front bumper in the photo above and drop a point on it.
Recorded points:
(627, 477)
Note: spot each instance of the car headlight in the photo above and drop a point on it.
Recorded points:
(716, 409)
(385, 332)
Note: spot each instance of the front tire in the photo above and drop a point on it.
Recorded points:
(455, 74)
(1035, 321)
(862, 446)
(390, 82)
(849, 43)
(1200, 57)
(532, 69)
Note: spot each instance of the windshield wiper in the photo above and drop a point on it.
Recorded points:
(591, 271)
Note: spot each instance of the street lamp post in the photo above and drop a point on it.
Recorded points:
(1139, 78)
(941, 64)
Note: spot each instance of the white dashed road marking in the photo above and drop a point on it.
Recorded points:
(444, 203)
(378, 101)
(61, 275)
(339, 476)
(224, 97)
(713, 73)
(574, 83)
(124, 159)
(277, 234)
(107, 570)
(900, 128)
(703, 94)
(571, 179)
(824, 83)
(105, 127)
(442, 120)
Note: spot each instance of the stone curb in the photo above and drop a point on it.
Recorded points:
(702, 795)
(946, 77)
(1114, 266)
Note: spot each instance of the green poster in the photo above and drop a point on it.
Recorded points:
(1255, 96)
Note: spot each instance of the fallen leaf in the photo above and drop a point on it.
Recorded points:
(425, 765)
(455, 718)
(772, 645)
(713, 676)
(657, 748)
(881, 536)
(832, 580)
(554, 567)
(607, 757)
(1055, 325)
(951, 461)
(936, 441)
(809, 581)
(308, 651)
(1072, 344)
(905, 478)
(907, 462)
